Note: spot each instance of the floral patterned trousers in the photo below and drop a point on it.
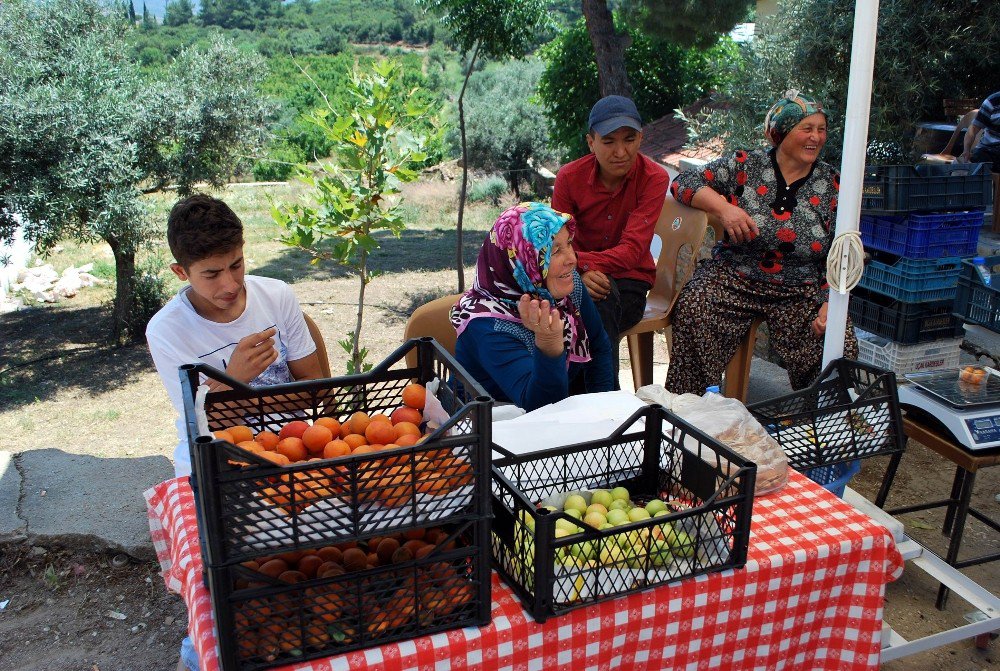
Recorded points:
(713, 316)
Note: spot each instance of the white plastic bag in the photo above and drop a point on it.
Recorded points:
(728, 421)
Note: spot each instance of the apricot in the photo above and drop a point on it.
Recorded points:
(293, 448)
(309, 565)
(407, 414)
(336, 448)
(316, 437)
(330, 423)
(354, 441)
(224, 435)
(380, 417)
(407, 429)
(274, 567)
(380, 432)
(358, 422)
(268, 440)
(406, 440)
(240, 433)
(293, 429)
(415, 395)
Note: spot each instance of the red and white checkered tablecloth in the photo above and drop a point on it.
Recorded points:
(810, 597)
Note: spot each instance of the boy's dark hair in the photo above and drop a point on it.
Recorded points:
(200, 226)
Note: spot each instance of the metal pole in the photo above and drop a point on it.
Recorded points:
(852, 166)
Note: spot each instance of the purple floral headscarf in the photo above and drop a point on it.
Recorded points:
(515, 261)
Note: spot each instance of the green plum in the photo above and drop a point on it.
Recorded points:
(602, 497)
(616, 517)
(620, 494)
(656, 506)
(577, 503)
(638, 514)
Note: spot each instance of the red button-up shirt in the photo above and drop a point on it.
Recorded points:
(614, 228)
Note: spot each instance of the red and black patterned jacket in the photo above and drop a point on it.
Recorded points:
(796, 221)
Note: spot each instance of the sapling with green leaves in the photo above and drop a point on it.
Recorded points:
(376, 148)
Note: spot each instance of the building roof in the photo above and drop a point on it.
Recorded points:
(663, 140)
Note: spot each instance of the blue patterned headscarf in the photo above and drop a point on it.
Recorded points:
(786, 114)
(515, 260)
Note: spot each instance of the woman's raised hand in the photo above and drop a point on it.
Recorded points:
(545, 322)
(738, 224)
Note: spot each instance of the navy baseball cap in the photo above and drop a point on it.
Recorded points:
(613, 112)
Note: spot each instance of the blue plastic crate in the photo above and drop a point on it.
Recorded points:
(913, 280)
(923, 236)
(834, 477)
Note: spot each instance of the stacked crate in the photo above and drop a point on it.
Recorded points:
(407, 528)
(918, 223)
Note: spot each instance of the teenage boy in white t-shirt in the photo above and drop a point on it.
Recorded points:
(250, 327)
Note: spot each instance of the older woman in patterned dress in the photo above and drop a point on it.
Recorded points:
(778, 208)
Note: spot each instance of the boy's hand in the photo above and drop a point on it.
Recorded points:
(252, 356)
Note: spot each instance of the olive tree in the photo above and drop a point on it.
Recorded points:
(919, 60)
(84, 134)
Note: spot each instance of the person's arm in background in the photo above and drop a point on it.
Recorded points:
(710, 189)
(971, 137)
(562, 200)
(633, 246)
(528, 379)
(598, 372)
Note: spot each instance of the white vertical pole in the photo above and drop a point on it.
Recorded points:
(852, 166)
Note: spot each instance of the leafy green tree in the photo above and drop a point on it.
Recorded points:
(683, 22)
(243, 14)
(130, 12)
(178, 13)
(86, 133)
(506, 128)
(917, 64)
(500, 29)
(148, 20)
(356, 195)
(665, 76)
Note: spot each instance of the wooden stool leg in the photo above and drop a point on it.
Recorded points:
(640, 356)
(738, 370)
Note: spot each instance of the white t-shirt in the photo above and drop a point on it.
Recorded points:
(178, 335)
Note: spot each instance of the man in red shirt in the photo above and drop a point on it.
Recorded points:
(616, 195)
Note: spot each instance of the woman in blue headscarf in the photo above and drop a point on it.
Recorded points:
(527, 327)
(778, 207)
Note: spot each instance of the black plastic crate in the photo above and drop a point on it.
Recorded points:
(661, 456)
(264, 621)
(890, 189)
(249, 506)
(902, 322)
(977, 301)
(850, 412)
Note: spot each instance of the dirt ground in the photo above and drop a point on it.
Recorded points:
(65, 390)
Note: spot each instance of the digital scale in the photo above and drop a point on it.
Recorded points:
(970, 412)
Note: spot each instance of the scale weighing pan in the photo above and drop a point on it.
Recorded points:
(946, 385)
